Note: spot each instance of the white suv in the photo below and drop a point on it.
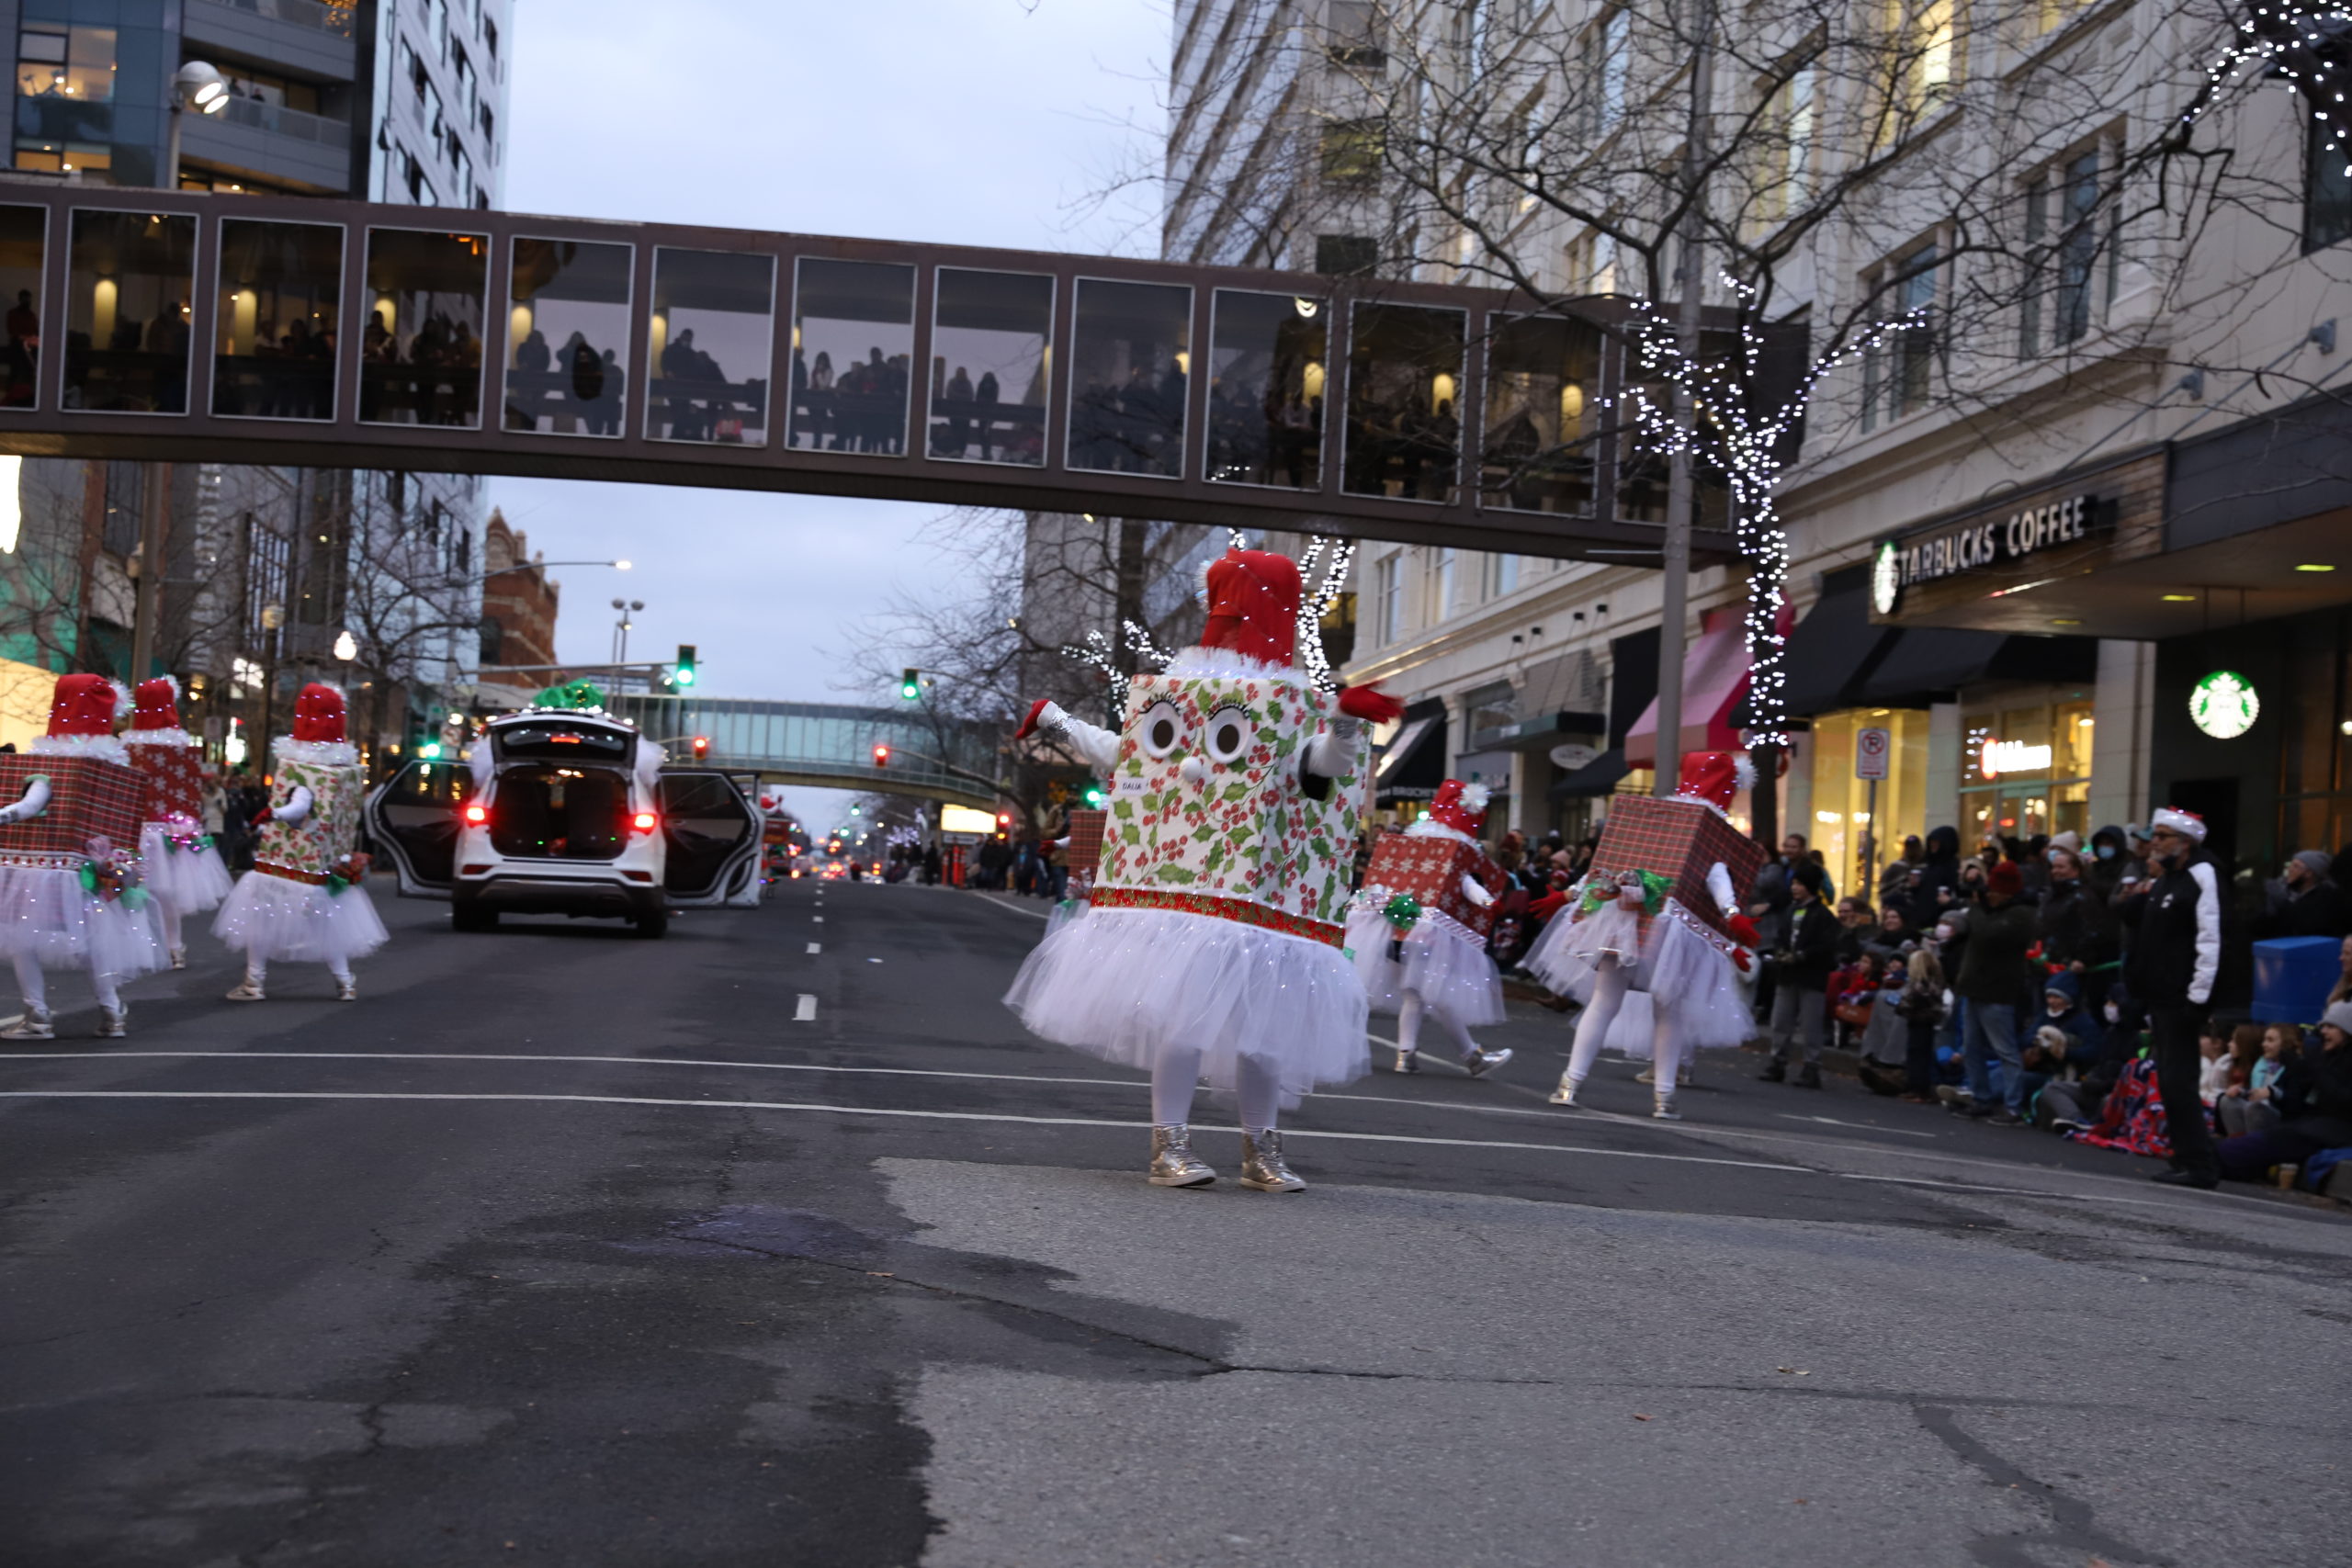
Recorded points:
(563, 811)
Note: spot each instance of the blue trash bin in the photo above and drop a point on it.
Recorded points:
(2293, 975)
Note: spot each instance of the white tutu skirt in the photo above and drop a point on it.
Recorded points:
(50, 916)
(1127, 985)
(273, 917)
(189, 880)
(1451, 973)
(1699, 984)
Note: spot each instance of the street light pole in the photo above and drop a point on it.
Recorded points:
(1672, 642)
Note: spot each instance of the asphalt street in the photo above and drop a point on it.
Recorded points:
(779, 1241)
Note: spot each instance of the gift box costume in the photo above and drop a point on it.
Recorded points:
(1419, 930)
(1659, 912)
(1212, 943)
(185, 872)
(70, 893)
(305, 899)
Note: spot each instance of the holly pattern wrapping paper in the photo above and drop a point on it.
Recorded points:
(325, 836)
(1254, 826)
(1431, 869)
(175, 781)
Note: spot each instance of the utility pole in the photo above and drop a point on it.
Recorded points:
(1672, 639)
(147, 601)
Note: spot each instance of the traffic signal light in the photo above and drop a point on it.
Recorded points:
(911, 684)
(702, 747)
(685, 673)
(881, 753)
(1092, 792)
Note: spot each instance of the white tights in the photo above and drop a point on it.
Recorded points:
(257, 969)
(1408, 1026)
(171, 914)
(34, 985)
(1609, 988)
(1177, 1073)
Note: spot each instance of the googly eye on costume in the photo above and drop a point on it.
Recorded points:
(1162, 730)
(1228, 733)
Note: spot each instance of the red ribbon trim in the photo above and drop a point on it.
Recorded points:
(1239, 910)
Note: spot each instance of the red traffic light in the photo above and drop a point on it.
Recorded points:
(881, 754)
(702, 747)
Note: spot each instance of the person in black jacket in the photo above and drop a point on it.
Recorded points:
(2320, 1118)
(2175, 956)
(1801, 965)
(2305, 900)
(1991, 977)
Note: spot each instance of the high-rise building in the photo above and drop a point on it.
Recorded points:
(272, 574)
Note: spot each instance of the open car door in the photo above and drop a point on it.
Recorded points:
(412, 817)
(712, 835)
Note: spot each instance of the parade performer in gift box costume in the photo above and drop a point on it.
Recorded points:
(185, 872)
(306, 899)
(1659, 911)
(1213, 945)
(1418, 928)
(71, 896)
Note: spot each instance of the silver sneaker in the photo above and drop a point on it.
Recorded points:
(34, 1025)
(1174, 1164)
(1478, 1064)
(113, 1025)
(246, 991)
(1261, 1163)
(1408, 1061)
(1566, 1093)
(180, 958)
(1662, 1109)
(347, 990)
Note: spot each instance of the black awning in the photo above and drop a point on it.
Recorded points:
(1632, 682)
(1595, 777)
(1832, 652)
(1413, 764)
(1930, 664)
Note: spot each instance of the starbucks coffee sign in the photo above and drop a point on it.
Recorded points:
(1979, 546)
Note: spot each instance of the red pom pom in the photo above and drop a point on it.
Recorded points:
(1029, 724)
(1371, 703)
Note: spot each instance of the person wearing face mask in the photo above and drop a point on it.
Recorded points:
(2104, 865)
(2176, 955)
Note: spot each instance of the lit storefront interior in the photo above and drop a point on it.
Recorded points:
(2026, 769)
(1845, 828)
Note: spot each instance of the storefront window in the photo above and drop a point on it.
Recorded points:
(2025, 771)
(1854, 839)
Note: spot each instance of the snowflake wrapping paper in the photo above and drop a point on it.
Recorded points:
(1431, 870)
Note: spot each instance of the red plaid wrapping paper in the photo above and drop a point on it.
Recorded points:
(87, 798)
(1677, 838)
(175, 781)
(1085, 851)
(1431, 870)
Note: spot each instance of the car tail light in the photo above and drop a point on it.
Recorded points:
(477, 814)
(644, 822)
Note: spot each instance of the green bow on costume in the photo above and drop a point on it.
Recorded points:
(1403, 911)
(110, 883)
(1654, 891)
(174, 846)
(581, 694)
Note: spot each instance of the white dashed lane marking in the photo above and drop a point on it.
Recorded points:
(815, 948)
(806, 1011)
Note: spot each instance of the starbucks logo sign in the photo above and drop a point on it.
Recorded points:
(2223, 704)
(1886, 578)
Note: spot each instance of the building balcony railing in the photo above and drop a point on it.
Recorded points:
(333, 19)
(279, 121)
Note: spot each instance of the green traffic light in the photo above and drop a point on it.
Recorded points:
(430, 750)
(910, 685)
(685, 672)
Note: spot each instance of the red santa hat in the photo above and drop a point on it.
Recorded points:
(1460, 806)
(319, 713)
(81, 719)
(2188, 824)
(1711, 778)
(1253, 606)
(156, 703)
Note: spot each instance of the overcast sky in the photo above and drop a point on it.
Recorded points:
(988, 122)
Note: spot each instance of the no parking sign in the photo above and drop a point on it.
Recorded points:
(1870, 750)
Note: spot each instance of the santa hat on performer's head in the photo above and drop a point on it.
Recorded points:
(2188, 824)
(1713, 777)
(84, 705)
(319, 713)
(1460, 806)
(1253, 606)
(157, 703)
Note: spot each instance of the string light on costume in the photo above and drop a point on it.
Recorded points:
(1743, 442)
(2306, 46)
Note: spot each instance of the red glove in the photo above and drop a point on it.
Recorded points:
(1743, 931)
(1369, 701)
(267, 814)
(1742, 957)
(1029, 724)
(1543, 908)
